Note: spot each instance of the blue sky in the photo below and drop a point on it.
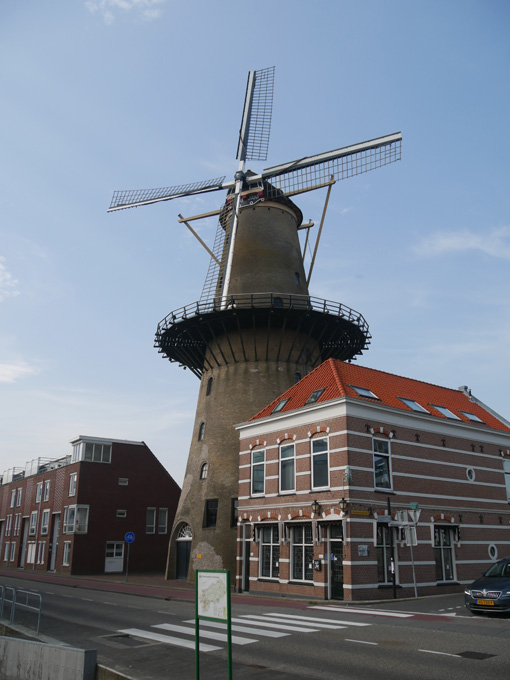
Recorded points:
(101, 95)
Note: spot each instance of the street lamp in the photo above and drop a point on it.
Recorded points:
(316, 507)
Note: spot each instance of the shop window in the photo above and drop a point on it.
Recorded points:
(382, 464)
(302, 553)
(443, 552)
(211, 512)
(258, 471)
(320, 463)
(287, 468)
(269, 552)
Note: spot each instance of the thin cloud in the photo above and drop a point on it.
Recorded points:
(12, 372)
(495, 243)
(148, 10)
(8, 285)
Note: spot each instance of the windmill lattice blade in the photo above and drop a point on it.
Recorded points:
(340, 164)
(135, 197)
(257, 112)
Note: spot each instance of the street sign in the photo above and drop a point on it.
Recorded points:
(414, 515)
(129, 537)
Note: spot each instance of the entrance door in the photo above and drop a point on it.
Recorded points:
(337, 570)
(54, 542)
(183, 547)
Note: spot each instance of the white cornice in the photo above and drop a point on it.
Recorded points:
(387, 415)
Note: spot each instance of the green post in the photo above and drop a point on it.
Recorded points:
(212, 603)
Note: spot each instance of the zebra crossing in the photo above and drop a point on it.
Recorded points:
(246, 629)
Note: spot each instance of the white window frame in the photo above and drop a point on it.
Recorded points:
(269, 545)
(7, 551)
(46, 495)
(284, 462)
(72, 483)
(305, 547)
(8, 525)
(66, 554)
(314, 455)
(385, 456)
(19, 493)
(150, 526)
(13, 552)
(32, 529)
(13, 498)
(97, 453)
(45, 522)
(163, 520)
(77, 519)
(64, 520)
(41, 552)
(506, 473)
(255, 465)
(17, 523)
(38, 492)
(121, 513)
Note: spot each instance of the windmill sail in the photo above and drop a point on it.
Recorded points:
(256, 121)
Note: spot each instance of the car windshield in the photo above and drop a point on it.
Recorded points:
(499, 569)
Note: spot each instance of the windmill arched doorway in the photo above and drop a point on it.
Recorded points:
(183, 547)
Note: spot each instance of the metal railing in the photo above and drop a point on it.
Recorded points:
(18, 598)
(263, 300)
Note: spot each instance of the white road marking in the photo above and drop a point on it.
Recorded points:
(221, 637)
(362, 642)
(373, 612)
(168, 639)
(284, 618)
(431, 651)
(240, 629)
(312, 619)
(255, 620)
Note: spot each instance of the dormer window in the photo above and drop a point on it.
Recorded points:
(364, 392)
(446, 412)
(279, 406)
(413, 405)
(471, 417)
(314, 396)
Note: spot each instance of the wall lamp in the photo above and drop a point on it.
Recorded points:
(316, 506)
(343, 505)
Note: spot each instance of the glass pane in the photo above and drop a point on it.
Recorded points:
(275, 562)
(287, 451)
(258, 456)
(382, 472)
(265, 569)
(297, 534)
(297, 562)
(320, 470)
(308, 533)
(381, 446)
(287, 475)
(319, 445)
(258, 479)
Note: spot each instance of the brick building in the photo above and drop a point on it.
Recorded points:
(71, 514)
(329, 470)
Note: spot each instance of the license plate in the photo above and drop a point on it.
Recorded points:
(486, 602)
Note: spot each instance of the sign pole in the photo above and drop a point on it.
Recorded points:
(129, 537)
(197, 633)
(212, 603)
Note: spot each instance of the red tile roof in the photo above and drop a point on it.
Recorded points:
(337, 379)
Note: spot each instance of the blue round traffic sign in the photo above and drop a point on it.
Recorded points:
(129, 537)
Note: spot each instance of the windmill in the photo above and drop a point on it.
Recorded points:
(256, 329)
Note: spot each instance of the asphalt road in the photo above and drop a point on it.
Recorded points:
(153, 639)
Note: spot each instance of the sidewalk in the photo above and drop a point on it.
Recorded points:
(148, 585)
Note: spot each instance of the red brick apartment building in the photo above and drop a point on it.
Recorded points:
(329, 470)
(71, 514)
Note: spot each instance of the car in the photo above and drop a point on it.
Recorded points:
(491, 592)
